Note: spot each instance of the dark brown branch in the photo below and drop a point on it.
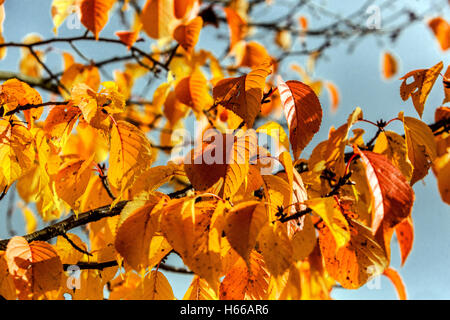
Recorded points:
(108, 264)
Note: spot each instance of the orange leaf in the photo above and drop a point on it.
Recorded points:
(353, 264)
(243, 282)
(446, 83)
(128, 37)
(303, 113)
(405, 236)
(397, 281)
(237, 26)
(334, 95)
(193, 91)
(243, 95)
(441, 30)
(253, 55)
(157, 17)
(36, 267)
(420, 88)
(181, 7)
(94, 14)
(243, 223)
(393, 197)
(389, 65)
(187, 34)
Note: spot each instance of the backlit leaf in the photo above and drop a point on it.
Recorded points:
(397, 281)
(94, 14)
(36, 267)
(302, 111)
(393, 197)
(441, 30)
(420, 88)
(187, 34)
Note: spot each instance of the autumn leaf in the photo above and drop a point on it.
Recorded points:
(420, 88)
(72, 180)
(393, 146)
(182, 7)
(225, 157)
(16, 150)
(137, 233)
(94, 14)
(199, 290)
(157, 17)
(389, 65)
(154, 286)
(421, 146)
(334, 95)
(60, 10)
(330, 212)
(243, 224)
(128, 37)
(130, 154)
(446, 83)
(15, 93)
(65, 249)
(276, 249)
(191, 231)
(303, 113)
(355, 263)
(187, 34)
(243, 95)
(7, 287)
(397, 281)
(193, 91)
(36, 267)
(393, 197)
(441, 30)
(405, 237)
(236, 25)
(245, 280)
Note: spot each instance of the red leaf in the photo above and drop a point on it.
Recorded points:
(405, 236)
(303, 113)
(393, 197)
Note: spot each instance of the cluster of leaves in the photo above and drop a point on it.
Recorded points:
(290, 234)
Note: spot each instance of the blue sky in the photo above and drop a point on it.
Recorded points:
(358, 78)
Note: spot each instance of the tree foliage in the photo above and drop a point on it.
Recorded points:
(248, 220)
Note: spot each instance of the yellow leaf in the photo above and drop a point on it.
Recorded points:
(61, 9)
(130, 154)
(276, 131)
(421, 146)
(276, 249)
(329, 211)
(153, 287)
(393, 146)
(420, 88)
(389, 65)
(16, 150)
(199, 290)
(30, 219)
(66, 251)
(441, 30)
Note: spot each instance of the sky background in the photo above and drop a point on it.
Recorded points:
(358, 77)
